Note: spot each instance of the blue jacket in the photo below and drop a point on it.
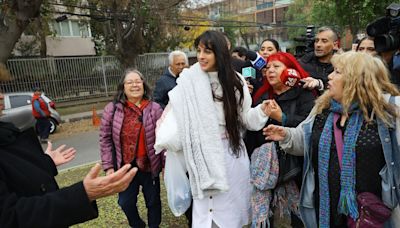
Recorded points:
(166, 82)
(298, 141)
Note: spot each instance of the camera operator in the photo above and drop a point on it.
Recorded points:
(318, 63)
(386, 32)
(388, 58)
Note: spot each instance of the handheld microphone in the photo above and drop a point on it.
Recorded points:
(249, 72)
(256, 59)
(290, 77)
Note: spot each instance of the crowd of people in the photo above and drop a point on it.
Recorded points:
(328, 123)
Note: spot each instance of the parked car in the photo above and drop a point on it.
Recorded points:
(18, 110)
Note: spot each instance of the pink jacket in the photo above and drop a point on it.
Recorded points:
(151, 114)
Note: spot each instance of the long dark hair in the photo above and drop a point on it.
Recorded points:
(120, 95)
(364, 38)
(230, 83)
(274, 42)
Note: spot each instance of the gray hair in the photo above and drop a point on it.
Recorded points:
(173, 54)
(327, 28)
(132, 70)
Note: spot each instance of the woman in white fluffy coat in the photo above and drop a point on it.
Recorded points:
(205, 119)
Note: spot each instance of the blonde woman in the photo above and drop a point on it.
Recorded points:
(357, 105)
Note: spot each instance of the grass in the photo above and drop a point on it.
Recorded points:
(110, 214)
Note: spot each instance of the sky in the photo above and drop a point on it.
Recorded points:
(204, 2)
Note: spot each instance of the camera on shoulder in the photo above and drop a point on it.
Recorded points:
(307, 40)
(386, 30)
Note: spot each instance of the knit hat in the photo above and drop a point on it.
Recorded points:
(290, 62)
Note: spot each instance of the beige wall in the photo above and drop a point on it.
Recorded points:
(69, 46)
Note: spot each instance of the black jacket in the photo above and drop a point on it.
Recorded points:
(296, 103)
(29, 194)
(316, 69)
(163, 85)
(394, 73)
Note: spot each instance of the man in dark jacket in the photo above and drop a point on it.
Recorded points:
(29, 194)
(318, 63)
(177, 62)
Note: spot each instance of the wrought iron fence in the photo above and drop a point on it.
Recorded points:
(78, 78)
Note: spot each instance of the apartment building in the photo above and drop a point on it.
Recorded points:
(256, 19)
(69, 34)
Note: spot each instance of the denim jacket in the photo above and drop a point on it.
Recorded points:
(298, 141)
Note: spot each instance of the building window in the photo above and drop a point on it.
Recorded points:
(84, 29)
(65, 30)
(71, 28)
(75, 31)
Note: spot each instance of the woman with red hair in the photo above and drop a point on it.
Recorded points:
(288, 104)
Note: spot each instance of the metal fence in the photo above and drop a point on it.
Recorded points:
(78, 78)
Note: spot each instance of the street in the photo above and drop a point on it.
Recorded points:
(86, 145)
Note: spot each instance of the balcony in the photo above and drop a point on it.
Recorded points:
(247, 10)
(283, 2)
(278, 3)
(265, 5)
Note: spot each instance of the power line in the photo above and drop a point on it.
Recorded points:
(178, 21)
(173, 4)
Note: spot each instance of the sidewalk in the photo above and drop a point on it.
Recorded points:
(88, 101)
(79, 116)
(82, 109)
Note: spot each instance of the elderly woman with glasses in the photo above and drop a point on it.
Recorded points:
(127, 136)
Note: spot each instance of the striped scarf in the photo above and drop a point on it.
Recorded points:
(347, 200)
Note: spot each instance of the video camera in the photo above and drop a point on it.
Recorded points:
(308, 41)
(386, 30)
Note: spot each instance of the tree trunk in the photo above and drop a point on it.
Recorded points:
(244, 37)
(9, 37)
(15, 18)
(42, 37)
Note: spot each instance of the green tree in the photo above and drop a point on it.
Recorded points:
(354, 14)
(127, 28)
(357, 14)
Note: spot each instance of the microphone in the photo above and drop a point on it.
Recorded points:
(256, 59)
(249, 72)
(290, 77)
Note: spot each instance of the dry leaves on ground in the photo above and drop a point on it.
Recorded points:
(67, 129)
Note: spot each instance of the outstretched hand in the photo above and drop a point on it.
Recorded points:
(60, 155)
(274, 132)
(310, 83)
(273, 110)
(115, 182)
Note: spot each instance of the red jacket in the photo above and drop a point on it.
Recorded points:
(43, 107)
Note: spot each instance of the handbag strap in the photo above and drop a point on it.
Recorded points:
(113, 151)
(338, 138)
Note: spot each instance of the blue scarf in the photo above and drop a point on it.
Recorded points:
(347, 201)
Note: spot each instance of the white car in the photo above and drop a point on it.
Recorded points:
(18, 110)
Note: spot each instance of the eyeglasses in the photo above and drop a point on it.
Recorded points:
(130, 83)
